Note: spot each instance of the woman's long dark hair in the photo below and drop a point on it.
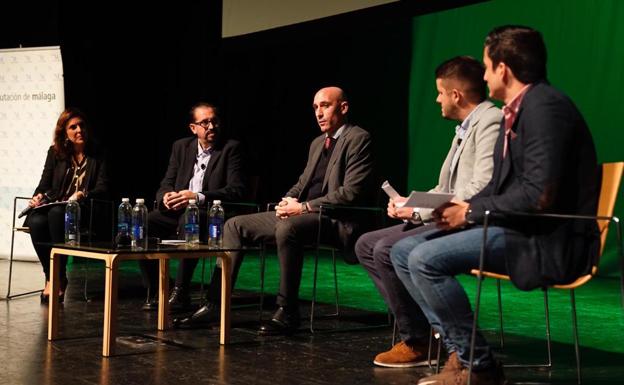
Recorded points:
(63, 147)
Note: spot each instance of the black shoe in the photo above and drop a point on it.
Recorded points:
(150, 304)
(179, 300)
(209, 313)
(283, 322)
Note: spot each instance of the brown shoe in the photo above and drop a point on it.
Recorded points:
(452, 363)
(403, 356)
(455, 374)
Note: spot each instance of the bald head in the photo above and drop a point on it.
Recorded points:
(332, 92)
(330, 107)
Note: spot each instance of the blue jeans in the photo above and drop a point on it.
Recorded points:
(427, 264)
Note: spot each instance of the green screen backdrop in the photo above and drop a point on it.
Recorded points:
(585, 42)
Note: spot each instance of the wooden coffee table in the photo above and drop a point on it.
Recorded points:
(112, 256)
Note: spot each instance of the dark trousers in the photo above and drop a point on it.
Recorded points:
(170, 225)
(290, 236)
(47, 226)
(373, 252)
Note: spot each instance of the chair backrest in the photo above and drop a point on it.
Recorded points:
(611, 178)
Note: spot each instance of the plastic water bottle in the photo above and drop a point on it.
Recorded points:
(216, 217)
(191, 224)
(124, 223)
(72, 222)
(139, 225)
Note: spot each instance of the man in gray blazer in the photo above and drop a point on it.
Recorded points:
(466, 170)
(338, 171)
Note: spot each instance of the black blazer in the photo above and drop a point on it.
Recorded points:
(550, 168)
(224, 178)
(55, 171)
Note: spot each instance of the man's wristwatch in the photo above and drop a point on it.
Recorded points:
(468, 212)
(416, 215)
(304, 208)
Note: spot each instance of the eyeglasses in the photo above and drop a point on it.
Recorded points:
(207, 122)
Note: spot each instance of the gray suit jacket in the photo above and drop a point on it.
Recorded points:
(472, 170)
(348, 179)
(349, 171)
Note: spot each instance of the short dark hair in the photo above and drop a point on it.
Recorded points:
(202, 105)
(521, 48)
(467, 70)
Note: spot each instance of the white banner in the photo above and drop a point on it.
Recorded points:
(31, 99)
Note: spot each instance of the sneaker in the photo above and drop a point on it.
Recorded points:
(452, 363)
(454, 373)
(403, 356)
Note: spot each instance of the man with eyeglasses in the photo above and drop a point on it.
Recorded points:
(203, 167)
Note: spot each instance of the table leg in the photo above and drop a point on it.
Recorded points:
(226, 294)
(110, 309)
(53, 305)
(163, 294)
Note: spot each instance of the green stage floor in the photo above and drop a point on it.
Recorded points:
(599, 309)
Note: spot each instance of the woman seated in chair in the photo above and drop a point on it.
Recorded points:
(72, 170)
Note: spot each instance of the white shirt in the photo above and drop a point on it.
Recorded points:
(199, 171)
